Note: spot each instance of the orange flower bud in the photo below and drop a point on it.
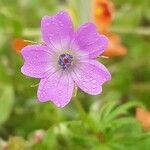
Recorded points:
(19, 43)
(143, 116)
(115, 47)
(102, 13)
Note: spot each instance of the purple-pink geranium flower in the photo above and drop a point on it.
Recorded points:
(66, 59)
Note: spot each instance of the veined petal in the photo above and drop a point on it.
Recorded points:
(57, 88)
(37, 61)
(90, 75)
(57, 31)
(88, 40)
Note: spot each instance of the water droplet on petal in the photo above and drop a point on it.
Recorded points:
(84, 82)
(93, 81)
(94, 86)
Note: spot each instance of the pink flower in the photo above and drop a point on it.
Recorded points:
(67, 58)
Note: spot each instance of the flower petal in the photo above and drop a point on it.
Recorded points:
(57, 31)
(87, 39)
(57, 88)
(90, 75)
(37, 61)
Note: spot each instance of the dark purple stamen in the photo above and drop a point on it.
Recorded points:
(65, 60)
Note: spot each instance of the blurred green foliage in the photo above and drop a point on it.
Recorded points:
(111, 114)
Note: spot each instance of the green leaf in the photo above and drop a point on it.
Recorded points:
(6, 102)
(122, 110)
(50, 140)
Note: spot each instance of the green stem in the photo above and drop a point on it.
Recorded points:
(29, 41)
(141, 31)
(84, 116)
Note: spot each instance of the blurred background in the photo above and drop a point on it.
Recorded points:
(118, 119)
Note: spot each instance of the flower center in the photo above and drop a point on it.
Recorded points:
(65, 60)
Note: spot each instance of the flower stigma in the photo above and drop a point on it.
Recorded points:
(65, 60)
